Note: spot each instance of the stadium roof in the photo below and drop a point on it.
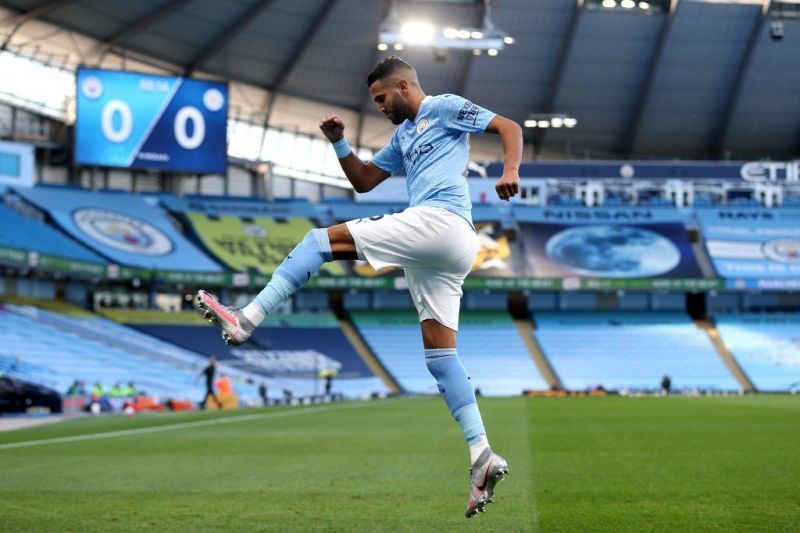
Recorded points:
(688, 78)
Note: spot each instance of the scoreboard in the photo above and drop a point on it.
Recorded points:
(136, 120)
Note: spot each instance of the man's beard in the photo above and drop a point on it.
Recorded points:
(399, 114)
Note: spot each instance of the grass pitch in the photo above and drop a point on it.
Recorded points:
(577, 464)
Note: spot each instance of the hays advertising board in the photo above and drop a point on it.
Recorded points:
(754, 248)
(606, 243)
(136, 120)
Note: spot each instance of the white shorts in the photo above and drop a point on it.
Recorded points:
(435, 247)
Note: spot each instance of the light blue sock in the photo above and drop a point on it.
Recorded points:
(298, 267)
(456, 387)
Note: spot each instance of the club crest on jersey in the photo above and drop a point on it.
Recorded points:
(122, 232)
(422, 126)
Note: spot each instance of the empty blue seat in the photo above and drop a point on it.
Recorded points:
(631, 351)
(489, 347)
(765, 346)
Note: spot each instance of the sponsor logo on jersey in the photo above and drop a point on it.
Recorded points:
(122, 232)
(415, 155)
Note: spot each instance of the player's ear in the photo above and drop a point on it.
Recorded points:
(402, 85)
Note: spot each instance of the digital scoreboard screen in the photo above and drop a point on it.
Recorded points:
(136, 120)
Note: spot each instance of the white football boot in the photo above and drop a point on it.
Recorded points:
(236, 328)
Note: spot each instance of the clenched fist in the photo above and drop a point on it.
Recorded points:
(333, 128)
(507, 186)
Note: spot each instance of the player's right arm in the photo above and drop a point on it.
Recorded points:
(363, 176)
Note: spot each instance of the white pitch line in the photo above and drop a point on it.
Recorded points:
(170, 427)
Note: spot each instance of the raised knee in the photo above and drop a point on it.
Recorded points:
(320, 235)
(341, 241)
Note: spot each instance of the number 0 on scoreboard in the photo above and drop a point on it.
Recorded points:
(134, 120)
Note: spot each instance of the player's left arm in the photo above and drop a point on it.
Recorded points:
(511, 135)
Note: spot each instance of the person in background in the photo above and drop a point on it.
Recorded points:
(224, 385)
(209, 372)
(75, 389)
(666, 385)
(116, 391)
(129, 390)
(99, 397)
(329, 375)
(262, 392)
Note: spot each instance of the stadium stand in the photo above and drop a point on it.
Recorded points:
(54, 350)
(289, 351)
(766, 346)
(630, 351)
(344, 211)
(244, 207)
(489, 346)
(127, 229)
(96, 349)
(32, 235)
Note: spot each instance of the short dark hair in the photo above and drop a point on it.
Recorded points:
(388, 66)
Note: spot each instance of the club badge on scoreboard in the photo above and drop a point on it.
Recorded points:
(122, 232)
(92, 87)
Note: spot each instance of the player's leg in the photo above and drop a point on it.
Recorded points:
(441, 358)
(318, 247)
(487, 468)
(216, 399)
(436, 292)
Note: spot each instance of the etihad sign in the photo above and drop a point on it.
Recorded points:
(773, 171)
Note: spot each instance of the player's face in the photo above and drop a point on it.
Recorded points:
(390, 101)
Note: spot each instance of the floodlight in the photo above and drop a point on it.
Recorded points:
(417, 32)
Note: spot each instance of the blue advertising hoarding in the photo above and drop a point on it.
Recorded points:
(755, 248)
(136, 120)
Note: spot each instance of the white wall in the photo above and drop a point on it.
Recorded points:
(239, 182)
(53, 175)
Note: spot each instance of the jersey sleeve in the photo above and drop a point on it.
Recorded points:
(390, 157)
(460, 114)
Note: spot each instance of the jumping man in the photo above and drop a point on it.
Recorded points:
(433, 240)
